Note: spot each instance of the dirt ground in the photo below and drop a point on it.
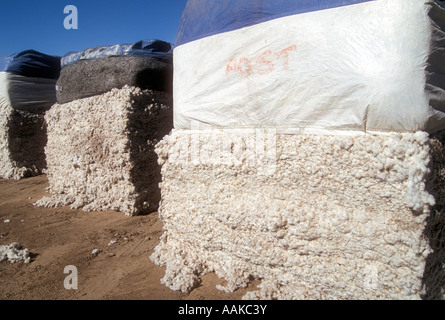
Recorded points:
(59, 237)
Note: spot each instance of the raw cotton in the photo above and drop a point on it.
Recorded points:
(311, 216)
(14, 253)
(22, 142)
(100, 151)
(87, 78)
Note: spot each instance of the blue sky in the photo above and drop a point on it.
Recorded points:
(38, 24)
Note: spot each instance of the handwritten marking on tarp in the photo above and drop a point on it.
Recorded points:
(265, 63)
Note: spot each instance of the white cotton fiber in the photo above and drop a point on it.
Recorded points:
(14, 253)
(100, 151)
(335, 217)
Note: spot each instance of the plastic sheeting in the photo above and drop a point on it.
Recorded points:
(147, 64)
(87, 78)
(371, 66)
(145, 48)
(28, 80)
(27, 93)
(31, 63)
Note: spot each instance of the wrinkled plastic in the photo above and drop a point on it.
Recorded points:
(31, 63)
(28, 80)
(373, 66)
(145, 48)
(26, 93)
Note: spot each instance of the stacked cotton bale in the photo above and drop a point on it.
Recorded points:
(27, 91)
(91, 72)
(100, 150)
(306, 160)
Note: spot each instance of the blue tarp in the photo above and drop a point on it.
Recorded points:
(31, 63)
(145, 48)
(203, 18)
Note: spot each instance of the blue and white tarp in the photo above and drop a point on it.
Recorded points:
(156, 49)
(311, 66)
(204, 18)
(28, 79)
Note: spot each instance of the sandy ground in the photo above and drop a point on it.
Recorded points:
(58, 237)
